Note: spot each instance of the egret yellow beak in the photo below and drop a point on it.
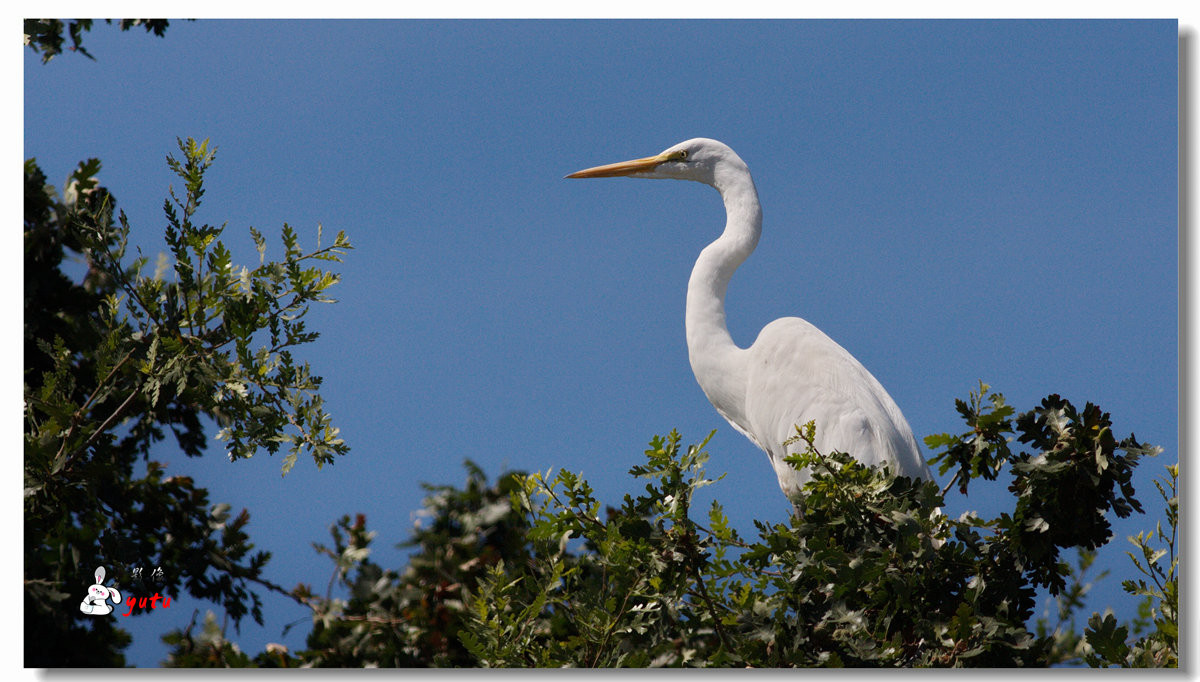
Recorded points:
(614, 170)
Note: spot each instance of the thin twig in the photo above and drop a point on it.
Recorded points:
(612, 626)
(712, 609)
(103, 427)
(734, 542)
(88, 403)
(952, 482)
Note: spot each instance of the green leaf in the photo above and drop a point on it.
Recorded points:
(1107, 639)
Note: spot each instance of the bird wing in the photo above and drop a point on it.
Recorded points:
(797, 373)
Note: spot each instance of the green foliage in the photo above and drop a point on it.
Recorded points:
(412, 617)
(982, 451)
(192, 341)
(211, 649)
(859, 578)
(636, 596)
(1066, 640)
(46, 36)
(534, 571)
(1077, 469)
(1160, 608)
(116, 359)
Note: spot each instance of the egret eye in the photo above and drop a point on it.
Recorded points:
(680, 155)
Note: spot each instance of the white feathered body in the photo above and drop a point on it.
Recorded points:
(798, 374)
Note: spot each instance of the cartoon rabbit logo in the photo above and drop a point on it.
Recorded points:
(96, 601)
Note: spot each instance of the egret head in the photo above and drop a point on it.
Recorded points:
(699, 159)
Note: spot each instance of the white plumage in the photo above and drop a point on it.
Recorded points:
(793, 373)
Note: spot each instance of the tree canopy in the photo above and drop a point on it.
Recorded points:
(114, 361)
(532, 570)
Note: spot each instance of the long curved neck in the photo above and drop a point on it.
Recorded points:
(716, 360)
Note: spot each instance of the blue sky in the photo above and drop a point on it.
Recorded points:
(951, 201)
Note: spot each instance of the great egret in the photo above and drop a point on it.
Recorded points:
(794, 372)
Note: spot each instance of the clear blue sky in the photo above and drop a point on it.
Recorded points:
(950, 201)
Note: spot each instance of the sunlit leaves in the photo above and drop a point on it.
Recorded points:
(233, 327)
(867, 573)
(119, 358)
(1160, 608)
(1078, 470)
(982, 451)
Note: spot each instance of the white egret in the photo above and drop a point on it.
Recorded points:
(793, 373)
